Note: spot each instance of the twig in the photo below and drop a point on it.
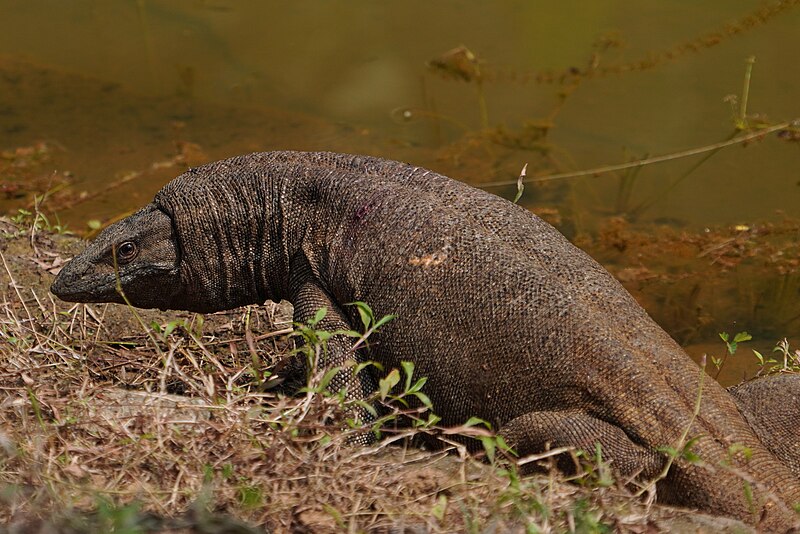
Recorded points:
(649, 161)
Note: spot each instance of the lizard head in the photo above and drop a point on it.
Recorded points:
(139, 251)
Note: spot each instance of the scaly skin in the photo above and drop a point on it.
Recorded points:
(771, 405)
(507, 319)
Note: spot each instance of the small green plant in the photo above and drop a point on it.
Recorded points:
(36, 220)
(491, 441)
(115, 518)
(440, 508)
(596, 471)
(738, 448)
(791, 359)
(396, 401)
(763, 361)
(586, 519)
(167, 329)
(314, 347)
(23, 217)
(524, 496)
(371, 325)
(732, 345)
(683, 452)
(112, 517)
(315, 338)
(740, 118)
(398, 394)
(37, 407)
(250, 496)
(387, 383)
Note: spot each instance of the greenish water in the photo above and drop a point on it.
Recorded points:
(116, 89)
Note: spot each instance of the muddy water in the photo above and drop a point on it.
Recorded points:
(102, 102)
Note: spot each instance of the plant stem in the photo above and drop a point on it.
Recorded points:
(649, 161)
(748, 70)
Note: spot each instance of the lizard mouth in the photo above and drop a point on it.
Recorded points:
(68, 287)
(145, 286)
(64, 287)
(57, 288)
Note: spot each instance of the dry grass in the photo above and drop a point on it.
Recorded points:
(108, 428)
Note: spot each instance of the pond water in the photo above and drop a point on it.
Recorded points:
(102, 102)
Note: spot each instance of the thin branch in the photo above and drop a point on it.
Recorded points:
(649, 161)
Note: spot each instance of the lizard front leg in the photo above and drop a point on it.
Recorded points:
(308, 298)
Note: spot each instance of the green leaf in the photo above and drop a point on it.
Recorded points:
(670, 451)
(489, 446)
(401, 400)
(348, 333)
(172, 325)
(388, 382)
(323, 335)
(473, 421)
(365, 312)
(691, 457)
(367, 406)
(691, 442)
(361, 366)
(328, 376)
(320, 315)
(408, 369)
(742, 336)
(423, 398)
(432, 419)
(738, 338)
(383, 320)
(199, 322)
(746, 451)
(748, 493)
(418, 384)
(250, 496)
(503, 445)
(440, 508)
(227, 470)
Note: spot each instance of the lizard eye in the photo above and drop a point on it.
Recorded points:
(126, 251)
